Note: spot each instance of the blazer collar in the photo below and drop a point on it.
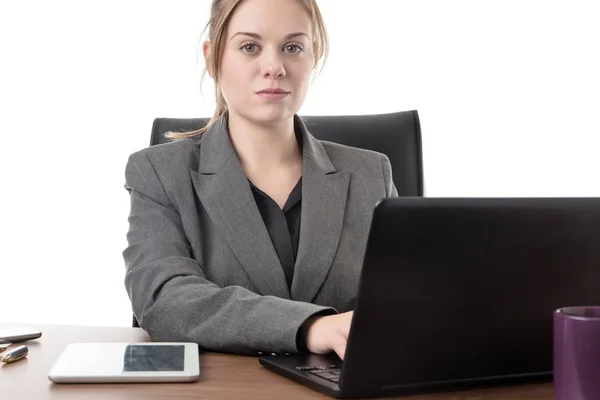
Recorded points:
(225, 194)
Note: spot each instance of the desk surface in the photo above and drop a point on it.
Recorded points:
(221, 376)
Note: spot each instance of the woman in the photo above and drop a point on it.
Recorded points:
(248, 236)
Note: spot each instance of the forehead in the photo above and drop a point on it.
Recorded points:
(269, 18)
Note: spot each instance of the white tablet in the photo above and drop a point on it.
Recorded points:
(127, 362)
(18, 334)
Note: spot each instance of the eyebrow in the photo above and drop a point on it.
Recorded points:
(257, 36)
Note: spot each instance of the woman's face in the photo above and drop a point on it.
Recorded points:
(267, 46)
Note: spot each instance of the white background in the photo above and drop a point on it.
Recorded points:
(508, 93)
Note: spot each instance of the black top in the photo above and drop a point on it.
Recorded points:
(283, 225)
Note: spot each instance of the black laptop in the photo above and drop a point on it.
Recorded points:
(456, 293)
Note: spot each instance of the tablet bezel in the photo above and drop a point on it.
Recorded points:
(64, 369)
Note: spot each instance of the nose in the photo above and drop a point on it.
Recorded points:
(272, 65)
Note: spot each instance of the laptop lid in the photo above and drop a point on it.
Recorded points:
(463, 290)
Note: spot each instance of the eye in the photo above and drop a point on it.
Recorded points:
(293, 47)
(248, 47)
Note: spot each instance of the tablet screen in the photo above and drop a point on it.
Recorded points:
(153, 358)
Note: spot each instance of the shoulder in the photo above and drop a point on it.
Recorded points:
(351, 158)
(371, 168)
(181, 152)
(168, 162)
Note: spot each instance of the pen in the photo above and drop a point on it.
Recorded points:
(16, 354)
(4, 346)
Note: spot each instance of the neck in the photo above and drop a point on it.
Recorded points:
(262, 147)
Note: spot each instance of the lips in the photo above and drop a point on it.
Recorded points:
(273, 91)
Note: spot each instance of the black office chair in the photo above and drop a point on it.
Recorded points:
(397, 135)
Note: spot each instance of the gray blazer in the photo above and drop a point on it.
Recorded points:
(200, 265)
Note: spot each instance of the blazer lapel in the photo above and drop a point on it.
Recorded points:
(225, 194)
(324, 194)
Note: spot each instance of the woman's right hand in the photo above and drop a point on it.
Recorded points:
(327, 333)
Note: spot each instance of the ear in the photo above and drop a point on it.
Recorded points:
(207, 52)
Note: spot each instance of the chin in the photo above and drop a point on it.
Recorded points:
(270, 116)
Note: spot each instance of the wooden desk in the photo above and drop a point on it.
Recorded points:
(221, 376)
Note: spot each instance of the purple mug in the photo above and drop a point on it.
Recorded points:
(577, 353)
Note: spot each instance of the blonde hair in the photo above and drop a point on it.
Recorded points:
(220, 14)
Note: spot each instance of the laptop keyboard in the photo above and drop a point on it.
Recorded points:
(329, 372)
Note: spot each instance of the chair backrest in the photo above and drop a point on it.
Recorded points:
(397, 135)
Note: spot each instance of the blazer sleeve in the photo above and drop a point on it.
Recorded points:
(172, 297)
(390, 188)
